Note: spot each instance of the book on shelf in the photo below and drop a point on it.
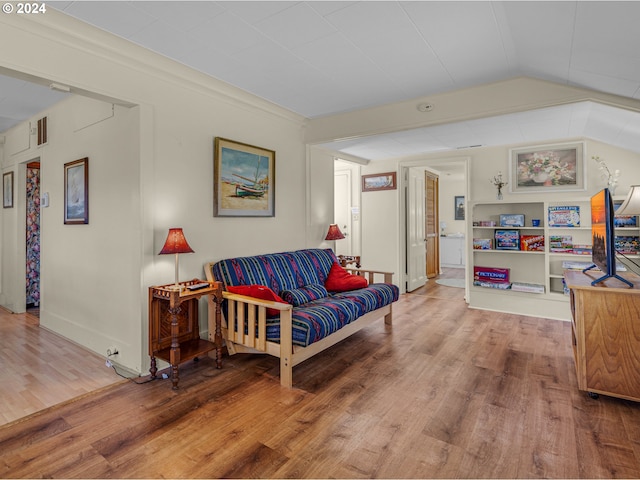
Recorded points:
(527, 287)
(483, 243)
(532, 243)
(564, 216)
(560, 243)
(507, 240)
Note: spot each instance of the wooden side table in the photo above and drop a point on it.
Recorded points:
(174, 332)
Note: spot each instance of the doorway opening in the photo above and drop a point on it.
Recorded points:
(444, 218)
(32, 237)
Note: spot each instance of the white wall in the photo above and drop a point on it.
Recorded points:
(449, 188)
(151, 169)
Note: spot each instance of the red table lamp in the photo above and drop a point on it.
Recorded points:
(175, 243)
(334, 233)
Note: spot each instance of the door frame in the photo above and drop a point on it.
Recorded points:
(429, 164)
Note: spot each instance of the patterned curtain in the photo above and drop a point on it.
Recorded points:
(33, 236)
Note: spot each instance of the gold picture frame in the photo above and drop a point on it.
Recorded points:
(243, 180)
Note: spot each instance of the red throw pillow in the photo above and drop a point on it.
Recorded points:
(258, 291)
(339, 280)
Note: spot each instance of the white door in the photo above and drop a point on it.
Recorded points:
(342, 210)
(416, 237)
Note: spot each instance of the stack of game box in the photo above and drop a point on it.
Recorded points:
(491, 277)
(561, 243)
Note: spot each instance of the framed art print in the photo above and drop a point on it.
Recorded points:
(7, 190)
(76, 192)
(547, 168)
(458, 207)
(379, 181)
(243, 180)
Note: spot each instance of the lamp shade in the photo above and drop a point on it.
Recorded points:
(175, 243)
(631, 204)
(334, 233)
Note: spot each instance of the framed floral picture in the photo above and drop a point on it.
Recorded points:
(558, 167)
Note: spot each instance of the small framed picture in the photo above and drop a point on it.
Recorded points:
(76, 192)
(459, 208)
(7, 190)
(379, 181)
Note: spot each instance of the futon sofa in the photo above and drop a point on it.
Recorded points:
(293, 305)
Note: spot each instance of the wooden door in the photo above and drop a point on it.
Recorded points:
(431, 224)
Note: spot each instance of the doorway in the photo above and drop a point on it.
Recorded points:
(453, 181)
(32, 237)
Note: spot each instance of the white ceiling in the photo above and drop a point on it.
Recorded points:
(325, 57)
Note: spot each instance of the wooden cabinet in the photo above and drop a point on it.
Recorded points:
(606, 334)
(174, 332)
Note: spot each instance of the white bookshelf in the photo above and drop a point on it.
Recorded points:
(538, 267)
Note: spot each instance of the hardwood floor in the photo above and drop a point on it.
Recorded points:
(446, 392)
(40, 369)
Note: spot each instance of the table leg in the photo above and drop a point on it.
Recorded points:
(175, 345)
(218, 336)
(154, 369)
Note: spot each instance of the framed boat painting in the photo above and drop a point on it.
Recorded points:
(76, 192)
(243, 180)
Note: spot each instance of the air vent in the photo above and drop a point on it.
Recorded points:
(42, 131)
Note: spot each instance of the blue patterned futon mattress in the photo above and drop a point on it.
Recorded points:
(303, 273)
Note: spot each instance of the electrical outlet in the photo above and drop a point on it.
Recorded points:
(112, 351)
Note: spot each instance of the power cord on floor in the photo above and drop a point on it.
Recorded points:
(132, 379)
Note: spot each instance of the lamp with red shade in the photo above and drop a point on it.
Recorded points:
(334, 233)
(176, 244)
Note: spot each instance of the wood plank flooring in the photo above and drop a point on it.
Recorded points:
(446, 392)
(39, 369)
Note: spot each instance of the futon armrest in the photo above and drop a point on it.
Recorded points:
(256, 301)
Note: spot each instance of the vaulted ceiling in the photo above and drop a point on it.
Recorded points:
(321, 58)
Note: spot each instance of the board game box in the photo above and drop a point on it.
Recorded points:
(507, 240)
(564, 216)
(532, 243)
